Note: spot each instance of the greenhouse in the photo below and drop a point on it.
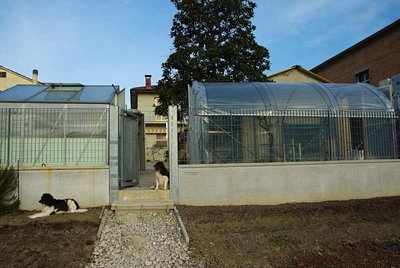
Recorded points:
(64, 139)
(55, 124)
(283, 122)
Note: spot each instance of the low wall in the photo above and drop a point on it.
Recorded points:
(88, 186)
(276, 183)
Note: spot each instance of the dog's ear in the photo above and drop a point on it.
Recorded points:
(46, 198)
(42, 199)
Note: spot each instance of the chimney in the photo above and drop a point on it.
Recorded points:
(147, 78)
(35, 74)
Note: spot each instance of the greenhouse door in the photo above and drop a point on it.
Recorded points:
(128, 150)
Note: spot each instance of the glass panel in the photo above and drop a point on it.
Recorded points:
(358, 97)
(20, 92)
(298, 96)
(54, 96)
(101, 94)
(269, 96)
(234, 96)
(286, 96)
(32, 93)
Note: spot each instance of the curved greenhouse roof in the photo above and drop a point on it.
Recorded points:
(286, 96)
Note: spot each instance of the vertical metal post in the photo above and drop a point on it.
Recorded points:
(65, 137)
(22, 141)
(294, 151)
(300, 156)
(329, 136)
(232, 143)
(114, 153)
(173, 152)
(107, 135)
(8, 136)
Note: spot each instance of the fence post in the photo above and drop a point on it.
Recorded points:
(9, 136)
(113, 151)
(65, 138)
(173, 152)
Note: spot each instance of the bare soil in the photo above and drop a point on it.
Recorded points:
(64, 240)
(355, 233)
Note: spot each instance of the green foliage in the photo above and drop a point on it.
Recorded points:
(213, 42)
(4, 209)
(8, 189)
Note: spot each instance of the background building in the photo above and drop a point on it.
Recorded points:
(373, 60)
(297, 74)
(145, 99)
(10, 78)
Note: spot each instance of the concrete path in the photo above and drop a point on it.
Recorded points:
(135, 240)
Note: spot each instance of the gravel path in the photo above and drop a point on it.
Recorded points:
(134, 240)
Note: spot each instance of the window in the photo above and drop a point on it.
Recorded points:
(161, 144)
(161, 137)
(3, 74)
(363, 77)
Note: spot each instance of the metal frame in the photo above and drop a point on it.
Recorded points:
(238, 136)
(60, 136)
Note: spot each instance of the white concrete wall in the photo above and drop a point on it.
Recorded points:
(276, 183)
(88, 186)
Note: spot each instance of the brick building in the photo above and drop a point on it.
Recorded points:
(371, 60)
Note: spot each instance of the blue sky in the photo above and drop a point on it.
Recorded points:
(119, 41)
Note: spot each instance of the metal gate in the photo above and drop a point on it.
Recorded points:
(128, 150)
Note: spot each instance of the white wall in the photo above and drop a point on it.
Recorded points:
(276, 183)
(88, 186)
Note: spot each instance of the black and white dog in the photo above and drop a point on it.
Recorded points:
(162, 176)
(52, 206)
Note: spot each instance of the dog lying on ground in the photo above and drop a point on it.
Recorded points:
(162, 176)
(52, 206)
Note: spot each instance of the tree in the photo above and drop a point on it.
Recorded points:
(154, 150)
(214, 42)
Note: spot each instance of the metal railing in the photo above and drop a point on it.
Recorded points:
(280, 136)
(54, 136)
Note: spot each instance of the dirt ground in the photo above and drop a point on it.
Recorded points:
(355, 233)
(64, 240)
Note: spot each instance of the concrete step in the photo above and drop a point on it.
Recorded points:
(143, 194)
(142, 205)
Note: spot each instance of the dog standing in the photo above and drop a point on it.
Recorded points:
(52, 206)
(162, 175)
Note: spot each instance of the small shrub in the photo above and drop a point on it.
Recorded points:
(7, 208)
(8, 189)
